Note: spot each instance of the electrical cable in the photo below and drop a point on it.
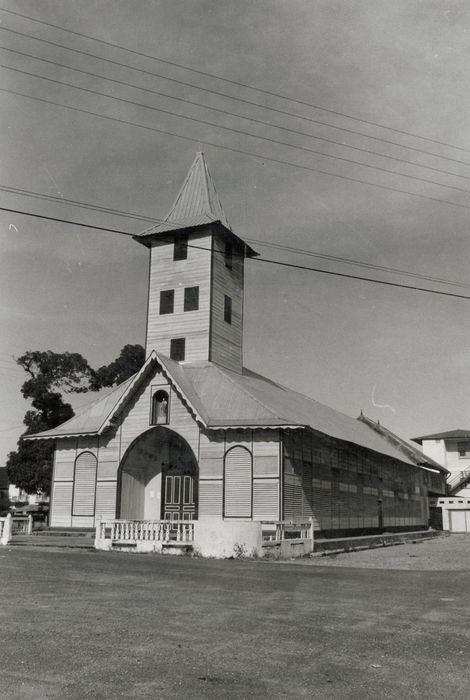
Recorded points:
(234, 82)
(237, 99)
(258, 259)
(240, 151)
(278, 246)
(232, 114)
(239, 131)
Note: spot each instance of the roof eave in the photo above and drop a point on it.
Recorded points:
(146, 239)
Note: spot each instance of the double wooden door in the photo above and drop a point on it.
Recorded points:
(179, 495)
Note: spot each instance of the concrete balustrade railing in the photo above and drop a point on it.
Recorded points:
(210, 537)
(15, 525)
(144, 535)
(5, 529)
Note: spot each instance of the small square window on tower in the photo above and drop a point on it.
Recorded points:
(227, 309)
(180, 249)
(177, 349)
(228, 255)
(191, 298)
(167, 301)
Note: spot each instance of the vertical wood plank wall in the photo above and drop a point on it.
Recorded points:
(340, 485)
(166, 273)
(226, 338)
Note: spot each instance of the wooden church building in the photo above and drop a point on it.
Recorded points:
(195, 435)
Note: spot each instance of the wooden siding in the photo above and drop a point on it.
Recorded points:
(345, 487)
(266, 499)
(210, 498)
(266, 453)
(226, 338)
(166, 273)
(211, 454)
(61, 514)
(238, 483)
(106, 499)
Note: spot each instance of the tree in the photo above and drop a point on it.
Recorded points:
(129, 362)
(51, 375)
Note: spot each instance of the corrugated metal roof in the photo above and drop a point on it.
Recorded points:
(89, 418)
(462, 434)
(408, 448)
(220, 398)
(197, 202)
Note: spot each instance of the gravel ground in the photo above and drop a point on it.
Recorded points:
(450, 553)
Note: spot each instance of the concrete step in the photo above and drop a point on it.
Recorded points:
(64, 533)
(77, 542)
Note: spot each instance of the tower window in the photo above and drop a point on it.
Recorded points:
(167, 301)
(227, 309)
(177, 349)
(191, 298)
(180, 250)
(160, 408)
(228, 254)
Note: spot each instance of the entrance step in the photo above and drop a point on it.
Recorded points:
(89, 532)
(62, 540)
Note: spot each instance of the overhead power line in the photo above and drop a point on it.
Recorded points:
(240, 151)
(277, 246)
(235, 82)
(349, 261)
(232, 97)
(83, 205)
(226, 112)
(257, 259)
(205, 122)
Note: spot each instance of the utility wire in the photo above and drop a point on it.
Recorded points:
(234, 82)
(266, 260)
(232, 114)
(349, 261)
(237, 99)
(277, 246)
(240, 151)
(304, 149)
(84, 205)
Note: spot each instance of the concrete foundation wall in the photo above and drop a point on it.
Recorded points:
(227, 538)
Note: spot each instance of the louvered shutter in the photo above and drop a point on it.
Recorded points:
(238, 483)
(210, 499)
(84, 485)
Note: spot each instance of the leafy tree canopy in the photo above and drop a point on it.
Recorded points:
(129, 362)
(52, 374)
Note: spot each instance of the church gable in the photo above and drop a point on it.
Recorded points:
(143, 411)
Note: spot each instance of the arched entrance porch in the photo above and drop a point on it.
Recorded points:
(158, 478)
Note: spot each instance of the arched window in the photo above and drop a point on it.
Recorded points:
(160, 413)
(238, 479)
(84, 484)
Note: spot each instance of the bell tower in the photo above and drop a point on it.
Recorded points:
(195, 304)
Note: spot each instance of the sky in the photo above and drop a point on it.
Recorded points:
(367, 70)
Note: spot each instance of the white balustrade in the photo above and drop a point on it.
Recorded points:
(134, 531)
(279, 530)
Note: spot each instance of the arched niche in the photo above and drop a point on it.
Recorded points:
(158, 478)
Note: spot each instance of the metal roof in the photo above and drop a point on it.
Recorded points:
(219, 398)
(89, 418)
(413, 452)
(462, 434)
(197, 204)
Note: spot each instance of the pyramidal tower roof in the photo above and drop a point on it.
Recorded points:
(197, 202)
